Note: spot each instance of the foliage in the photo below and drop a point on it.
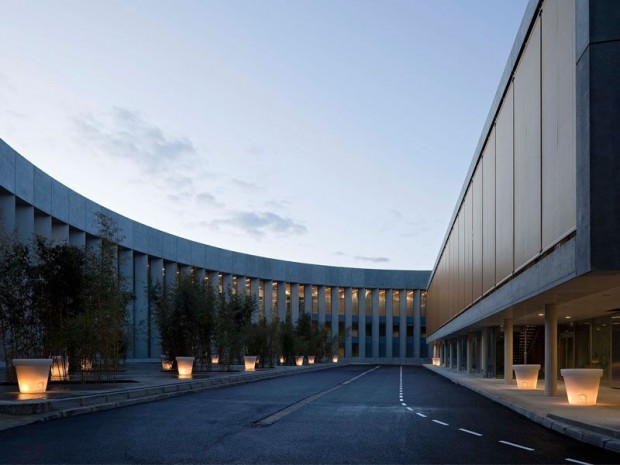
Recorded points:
(311, 338)
(264, 340)
(233, 323)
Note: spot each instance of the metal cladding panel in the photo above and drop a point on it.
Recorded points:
(527, 160)
(461, 254)
(24, 172)
(318, 274)
(155, 241)
(453, 271)
(239, 264)
(477, 233)
(225, 261)
(76, 210)
(212, 256)
(292, 272)
(331, 276)
(488, 214)
(125, 232)
(170, 247)
(184, 251)
(467, 235)
(278, 270)
(139, 237)
(558, 121)
(8, 160)
(357, 277)
(60, 202)
(251, 266)
(504, 189)
(42, 191)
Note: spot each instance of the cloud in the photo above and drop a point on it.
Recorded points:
(259, 223)
(208, 198)
(372, 259)
(249, 186)
(126, 134)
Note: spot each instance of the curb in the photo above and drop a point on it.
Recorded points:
(552, 422)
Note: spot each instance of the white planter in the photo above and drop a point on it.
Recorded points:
(582, 385)
(215, 359)
(32, 374)
(166, 363)
(311, 359)
(250, 362)
(527, 375)
(282, 360)
(436, 361)
(60, 368)
(334, 359)
(185, 365)
(299, 360)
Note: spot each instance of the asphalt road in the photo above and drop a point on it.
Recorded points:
(307, 418)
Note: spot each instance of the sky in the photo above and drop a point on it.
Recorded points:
(336, 132)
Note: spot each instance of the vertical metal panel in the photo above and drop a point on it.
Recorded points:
(476, 187)
(467, 237)
(461, 254)
(504, 189)
(527, 161)
(452, 271)
(558, 120)
(488, 213)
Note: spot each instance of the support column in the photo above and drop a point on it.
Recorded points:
(294, 303)
(77, 237)
(335, 304)
(43, 226)
(470, 353)
(402, 328)
(268, 299)
(126, 270)
(240, 286)
(157, 277)
(484, 351)
(321, 305)
(416, 324)
(508, 348)
(214, 281)
(141, 306)
(200, 275)
(459, 350)
(24, 222)
(348, 321)
(551, 350)
(375, 323)
(254, 292)
(281, 304)
(361, 322)
(308, 299)
(451, 363)
(227, 283)
(7, 213)
(389, 323)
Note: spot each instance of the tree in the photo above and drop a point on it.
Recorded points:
(233, 325)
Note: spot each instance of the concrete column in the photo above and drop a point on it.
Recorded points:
(361, 322)
(24, 222)
(268, 300)
(484, 351)
(335, 303)
(551, 350)
(375, 323)
(348, 321)
(170, 273)
(126, 270)
(201, 274)
(254, 292)
(77, 237)
(459, 358)
(281, 304)
(470, 353)
(294, 303)
(442, 352)
(389, 323)
(157, 276)
(141, 306)
(227, 283)
(321, 303)
(7, 213)
(240, 286)
(402, 327)
(308, 299)
(416, 324)
(214, 281)
(451, 363)
(60, 232)
(43, 226)
(508, 348)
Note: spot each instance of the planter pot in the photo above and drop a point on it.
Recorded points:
(166, 363)
(250, 362)
(311, 359)
(334, 359)
(299, 360)
(215, 359)
(281, 359)
(32, 374)
(582, 385)
(527, 375)
(60, 368)
(436, 361)
(185, 366)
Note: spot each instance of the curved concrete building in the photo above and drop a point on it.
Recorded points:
(385, 309)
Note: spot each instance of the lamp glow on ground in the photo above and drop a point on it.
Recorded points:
(32, 374)
(527, 375)
(60, 368)
(582, 385)
(311, 359)
(299, 360)
(185, 365)
(250, 362)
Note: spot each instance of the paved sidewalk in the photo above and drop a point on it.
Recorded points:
(138, 383)
(598, 425)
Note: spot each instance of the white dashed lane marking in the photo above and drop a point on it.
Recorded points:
(441, 423)
(516, 445)
(410, 409)
(469, 432)
(420, 414)
(578, 462)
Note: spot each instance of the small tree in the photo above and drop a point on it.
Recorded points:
(233, 325)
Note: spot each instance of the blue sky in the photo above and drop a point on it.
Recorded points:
(333, 132)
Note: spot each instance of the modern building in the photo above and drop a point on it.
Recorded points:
(385, 310)
(529, 270)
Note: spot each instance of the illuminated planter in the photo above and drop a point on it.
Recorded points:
(32, 374)
(250, 362)
(166, 363)
(185, 366)
(334, 359)
(436, 361)
(60, 368)
(281, 359)
(215, 359)
(311, 359)
(527, 375)
(582, 385)
(299, 360)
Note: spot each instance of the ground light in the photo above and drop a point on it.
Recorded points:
(311, 359)
(185, 366)
(299, 360)
(527, 375)
(582, 385)
(436, 361)
(32, 374)
(215, 359)
(334, 359)
(281, 359)
(250, 362)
